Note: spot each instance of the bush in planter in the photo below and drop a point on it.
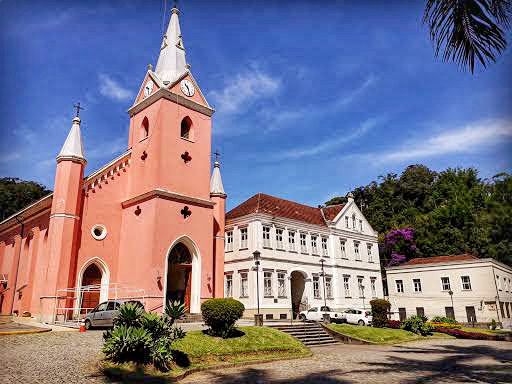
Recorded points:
(221, 315)
(380, 310)
(443, 319)
(493, 324)
(417, 324)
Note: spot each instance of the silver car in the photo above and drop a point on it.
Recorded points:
(104, 313)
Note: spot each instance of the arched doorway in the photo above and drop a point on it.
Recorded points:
(298, 285)
(179, 275)
(91, 284)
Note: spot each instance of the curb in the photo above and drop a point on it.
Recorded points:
(25, 331)
(212, 368)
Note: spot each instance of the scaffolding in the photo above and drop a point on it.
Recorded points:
(68, 309)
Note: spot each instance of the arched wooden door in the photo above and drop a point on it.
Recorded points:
(91, 283)
(179, 275)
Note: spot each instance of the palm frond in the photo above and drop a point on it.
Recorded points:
(468, 31)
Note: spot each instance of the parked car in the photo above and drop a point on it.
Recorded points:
(104, 313)
(316, 314)
(357, 316)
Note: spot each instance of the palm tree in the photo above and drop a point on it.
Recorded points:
(465, 31)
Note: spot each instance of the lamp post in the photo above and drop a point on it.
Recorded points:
(322, 260)
(450, 292)
(258, 319)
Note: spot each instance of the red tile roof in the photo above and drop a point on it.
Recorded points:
(440, 259)
(275, 206)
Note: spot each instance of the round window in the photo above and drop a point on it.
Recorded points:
(99, 232)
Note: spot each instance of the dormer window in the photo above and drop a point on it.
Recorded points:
(354, 221)
(186, 125)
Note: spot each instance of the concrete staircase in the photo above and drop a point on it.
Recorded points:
(5, 319)
(310, 334)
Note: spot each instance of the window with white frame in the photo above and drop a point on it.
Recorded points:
(303, 243)
(229, 241)
(361, 225)
(314, 248)
(325, 252)
(445, 283)
(266, 236)
(373, 287)
(343, 253)
(466, 283)
(346, 285)
(281, 284)
(399, 286)
(346, 221)
(360, 285)
(244, 284)
(328, 287)
(267, 284)
(369, 250)
(498, 283)
(243, 238)
(291, 241)
(228, 285)
(279, 238)
(354, 221)
(356, 250)
(417, 285)
(316, 287)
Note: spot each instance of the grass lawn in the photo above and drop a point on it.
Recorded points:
(198, 351)
(380, 335)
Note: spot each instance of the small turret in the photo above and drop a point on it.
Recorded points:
(73, 148)
(218, 196)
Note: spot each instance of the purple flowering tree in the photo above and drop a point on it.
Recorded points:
(399, 245)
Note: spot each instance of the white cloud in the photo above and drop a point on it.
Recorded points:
(469, 138)
(329, 144)
(112, 89)
(107, 149)
(244, 88)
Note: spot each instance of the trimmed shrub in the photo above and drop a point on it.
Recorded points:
(445, 325)
(493, 324)
(395, 324)
(221, 315)
(380, 310)
(417, 324)
(443, 319)
(460, 334)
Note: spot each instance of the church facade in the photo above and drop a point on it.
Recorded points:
(149, 225)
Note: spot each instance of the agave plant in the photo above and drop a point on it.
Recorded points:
(128, 344)
(130, 314)
(174, 310)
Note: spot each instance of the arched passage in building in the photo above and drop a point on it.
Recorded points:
(183, 275)
(298, 286)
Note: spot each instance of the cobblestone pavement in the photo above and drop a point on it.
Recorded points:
(65, 357)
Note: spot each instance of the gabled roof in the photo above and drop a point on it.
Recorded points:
(440, 259)
(275, 206)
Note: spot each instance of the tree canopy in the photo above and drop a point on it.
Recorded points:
(15, 194)
(450, 212)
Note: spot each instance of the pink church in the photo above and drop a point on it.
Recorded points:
(148, 225)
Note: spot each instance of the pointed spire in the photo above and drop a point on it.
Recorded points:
(216, 187)
(73, 148)
(171, 63)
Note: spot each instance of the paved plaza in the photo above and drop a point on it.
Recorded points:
(58, 357)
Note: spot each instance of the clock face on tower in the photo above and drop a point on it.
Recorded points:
(187, 88)
(148, 88)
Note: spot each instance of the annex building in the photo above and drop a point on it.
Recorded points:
(148, 225)
(462, 287)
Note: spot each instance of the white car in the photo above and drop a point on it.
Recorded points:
(317, 314)
(357, 316)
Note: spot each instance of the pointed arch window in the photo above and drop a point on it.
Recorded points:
(144, 129)
(186, 128)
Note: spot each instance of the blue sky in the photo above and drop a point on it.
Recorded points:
(313, 98)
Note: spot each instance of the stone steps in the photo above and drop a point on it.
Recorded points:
(310, 334)
(5, 319)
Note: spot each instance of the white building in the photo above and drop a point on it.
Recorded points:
(293, 240)
(481, 289)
